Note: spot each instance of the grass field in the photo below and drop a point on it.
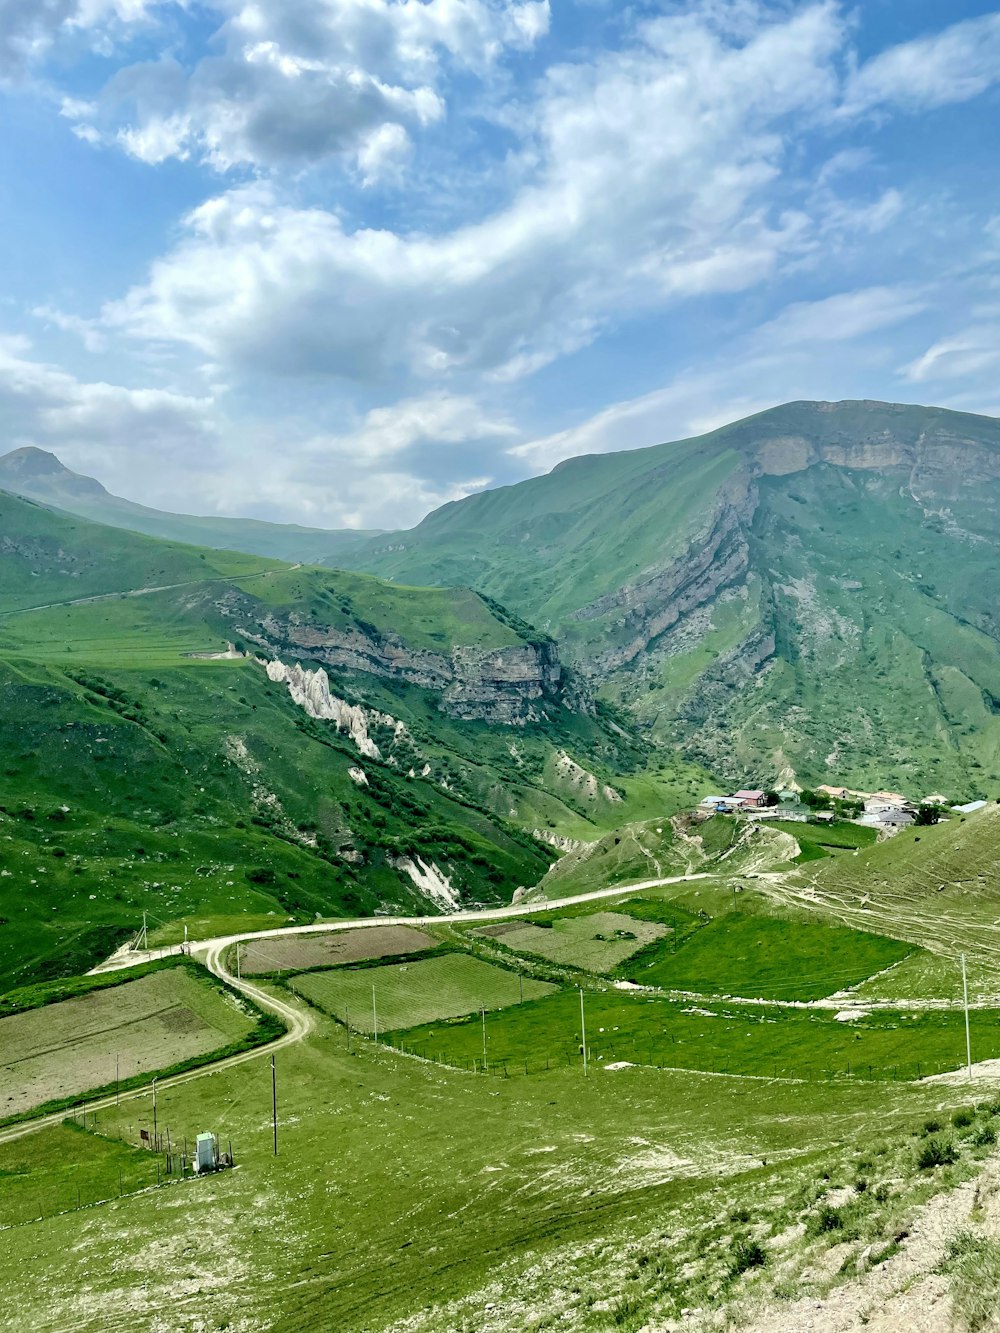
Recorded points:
(295, 953)
(763, 1042)
(62, 1167)
(414, 993)
(61, 1050)
(409, 1187)
(597, 942)
(770, 958)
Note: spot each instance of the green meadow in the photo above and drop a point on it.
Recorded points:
(757, 1041)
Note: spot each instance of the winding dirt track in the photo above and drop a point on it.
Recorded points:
(299, 1019)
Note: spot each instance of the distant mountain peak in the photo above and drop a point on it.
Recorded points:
(30, 461)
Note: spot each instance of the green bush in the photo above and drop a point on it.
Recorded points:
(931, 1126)
(963, 1117)
(747, 1254)
(936, 1152)
(829, 1219)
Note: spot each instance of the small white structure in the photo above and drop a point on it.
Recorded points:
(970, 808)
(205, 1156)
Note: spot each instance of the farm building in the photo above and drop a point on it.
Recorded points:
(751, 798)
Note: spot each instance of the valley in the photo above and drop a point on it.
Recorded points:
(560, 1039)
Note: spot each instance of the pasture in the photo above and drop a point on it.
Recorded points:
(298, 953)
(769, 958)
(597, 942)
(750, 1040)
(409, 994)
(62, 1050)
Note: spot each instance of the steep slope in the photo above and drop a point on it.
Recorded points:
(357, 747)
(38, 475)
(808, 591)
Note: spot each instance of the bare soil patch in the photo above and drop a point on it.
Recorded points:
(68, 1048)
(296, 953)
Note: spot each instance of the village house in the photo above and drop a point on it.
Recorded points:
(752, 799)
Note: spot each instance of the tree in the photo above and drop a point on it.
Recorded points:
(927, 814)
(771, 797)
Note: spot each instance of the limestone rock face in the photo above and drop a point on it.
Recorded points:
(500, 685)
(311, 691)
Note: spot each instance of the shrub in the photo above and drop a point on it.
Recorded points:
(963, 1117)
(829, 1219)
(985, 1136)
(931, 1126)
(747, 1254)
(936, 1152)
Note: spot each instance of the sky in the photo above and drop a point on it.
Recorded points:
(338, 262)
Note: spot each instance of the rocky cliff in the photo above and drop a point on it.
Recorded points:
(506, 686)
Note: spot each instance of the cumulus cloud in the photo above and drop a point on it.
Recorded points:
(29, 29)
(656, 170)
(299, 81)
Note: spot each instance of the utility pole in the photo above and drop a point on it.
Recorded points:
(520, 982)
(117, 1098)
(965, 1000)
(347, 1024)
(185, 949)
(274, 1104)
(237, 960)
(583, 1033)
(144, 940)
(483, 1008)
(154, 1115)
(374, 1015)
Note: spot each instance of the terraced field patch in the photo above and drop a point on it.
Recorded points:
(409, 994)
(764, 1041)
(67, 1048)
(598, 942)
(763, 957)
(294, 953)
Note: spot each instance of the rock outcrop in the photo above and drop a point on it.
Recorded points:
(311, 691)
(506, 686)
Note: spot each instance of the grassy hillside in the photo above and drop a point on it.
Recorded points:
(810, 591)
(140, 773)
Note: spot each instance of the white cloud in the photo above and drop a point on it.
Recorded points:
(842, 317)
(91, 423)
(657, 169)
(93, 339)
(971, 352)
(298, 81)
(953, 65)
(29, 29)
(438, 418)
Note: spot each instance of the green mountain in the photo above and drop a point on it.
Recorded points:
(38, 475)
(809, 592)
(216, 738)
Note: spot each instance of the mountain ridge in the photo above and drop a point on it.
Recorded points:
(37, 474)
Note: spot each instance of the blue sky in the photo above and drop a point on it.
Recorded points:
(339, 261)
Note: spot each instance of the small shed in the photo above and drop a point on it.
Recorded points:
(205, 1153)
